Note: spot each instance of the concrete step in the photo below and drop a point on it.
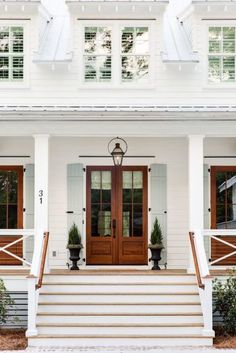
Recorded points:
(71, 318)
(118, 341)
(117, 298)
(100, 330)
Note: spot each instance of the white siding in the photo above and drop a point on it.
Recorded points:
(169, 84)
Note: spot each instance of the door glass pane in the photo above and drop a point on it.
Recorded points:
(101, 185)
(3, 186)
(226, 200)
(8, 199)
(106, 187)
(132, 219)
(12, 216)
(3, 217)
(104, 221)
(127, 220)
(12, 187)
(127, 187)
(95, 187)
(94, 220)
(138, 221)
(138, 187)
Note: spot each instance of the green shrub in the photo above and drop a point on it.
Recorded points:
(225, 304)
(5, 302)
(74, 237)
(156, 235)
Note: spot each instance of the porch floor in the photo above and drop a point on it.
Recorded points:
(58, 272)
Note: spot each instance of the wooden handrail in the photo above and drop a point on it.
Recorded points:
(43, 260)
(195, 259)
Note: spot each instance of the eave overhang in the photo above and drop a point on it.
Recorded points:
(118, 113)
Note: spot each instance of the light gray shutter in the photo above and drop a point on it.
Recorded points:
(29, 209)
(206, 206)
(159, 202)
(75, 190)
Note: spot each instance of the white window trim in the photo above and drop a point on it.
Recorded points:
(215, 85)
(25, 82)
(116, 82)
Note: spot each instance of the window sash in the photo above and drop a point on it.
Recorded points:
(14, 56)
(222, 60)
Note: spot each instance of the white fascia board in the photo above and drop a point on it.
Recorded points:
(160, 2)
(155, 4)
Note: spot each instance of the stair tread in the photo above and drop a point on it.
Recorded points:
(117, 314)
(119, 284)
(120, 325)
(121, 336)
(118, 303)
(118, 293)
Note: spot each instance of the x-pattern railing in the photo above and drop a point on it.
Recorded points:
(23, 235)
(216, 235)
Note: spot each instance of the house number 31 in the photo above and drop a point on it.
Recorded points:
(41, 196)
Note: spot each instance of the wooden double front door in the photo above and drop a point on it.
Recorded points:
(116, 221)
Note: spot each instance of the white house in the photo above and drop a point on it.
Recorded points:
(162, 79)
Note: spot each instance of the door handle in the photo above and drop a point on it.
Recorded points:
(114, 228)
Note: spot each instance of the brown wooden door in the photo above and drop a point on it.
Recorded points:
(223, 210)
(11, 210)
(116, 222)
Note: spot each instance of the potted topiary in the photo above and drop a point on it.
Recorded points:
(156, 244)
(74, 245)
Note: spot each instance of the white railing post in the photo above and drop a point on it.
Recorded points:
(195, 180)
(201, 253)
(32, 306)
(206, 303)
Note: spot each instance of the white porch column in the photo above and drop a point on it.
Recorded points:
(196, 196)
(41, 189)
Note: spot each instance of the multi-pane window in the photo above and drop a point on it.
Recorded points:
(97, 54)
(221, 54)
(134, 54)
(11, 53)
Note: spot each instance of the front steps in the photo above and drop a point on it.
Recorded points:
(107, 309)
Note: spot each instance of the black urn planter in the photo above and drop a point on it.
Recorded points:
(156, 257)
(74, 257)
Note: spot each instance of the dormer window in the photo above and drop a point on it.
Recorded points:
(11, 53)
(221, 54)
(134, 54)
(97, 54)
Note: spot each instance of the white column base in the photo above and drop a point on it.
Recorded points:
(31, 333)
(208, 333)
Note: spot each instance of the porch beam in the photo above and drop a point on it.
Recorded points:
(196, 197)
(41, 154)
